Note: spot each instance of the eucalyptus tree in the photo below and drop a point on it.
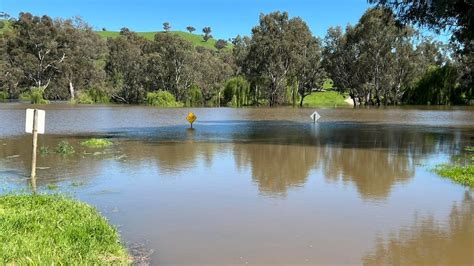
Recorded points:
(33, 51)
(220, 44)
(212, 72)
(191, 29)
(456, 16)
(310, 73)
(306, 71)
(274, 49)
(125, 65)
(377, 33)
(83, 66)
(375, 60)
(166, 26)
(207, 33)
(176, 57)
(341, 61)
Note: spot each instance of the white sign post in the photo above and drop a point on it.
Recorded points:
(315, 116)
(35, 120)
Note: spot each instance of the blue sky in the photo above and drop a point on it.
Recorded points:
(227, 18)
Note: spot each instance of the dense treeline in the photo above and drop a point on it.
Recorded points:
(375, 62)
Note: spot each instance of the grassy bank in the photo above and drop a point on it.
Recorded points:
(53, 229)
(325, 98)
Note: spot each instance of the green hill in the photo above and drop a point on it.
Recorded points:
(195, 39)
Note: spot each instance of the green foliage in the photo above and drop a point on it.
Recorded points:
(162, 98)
(96, 143)
(325, 98)
(220, 44)
(65, 148)
(92, 96)
(25, 96)
(37, 96)
(55, 230)
(6, 26)
(236, 92)
(328, 84)
(3, 95)
(194, 97)
(437, 86)
(460, 174)
(83, 97)
(469, 148)
(99, 95)
(34, 95)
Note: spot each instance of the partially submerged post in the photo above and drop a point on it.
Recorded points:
(35, 120)
(191, 118)
(315, 116)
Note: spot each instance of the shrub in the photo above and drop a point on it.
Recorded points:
(36, 95)
(25, 96)
(92, 96)
(83, 97)
(99, 95)
(65, 148)
(162, 98)
(195, 96)
(3, 95)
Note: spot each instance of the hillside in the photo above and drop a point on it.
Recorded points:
(195, 39)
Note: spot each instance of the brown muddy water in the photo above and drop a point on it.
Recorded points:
(261, 186)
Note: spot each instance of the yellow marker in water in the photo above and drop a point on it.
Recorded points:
(191, 118)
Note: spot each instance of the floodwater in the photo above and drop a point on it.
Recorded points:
(261, 186)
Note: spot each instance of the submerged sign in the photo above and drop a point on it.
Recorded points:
(35, 121)
(315, 116)
(191, 118)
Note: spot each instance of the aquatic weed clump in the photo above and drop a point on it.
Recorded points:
(44, 150)
(458, 173)
(65, 148)
(96, 143)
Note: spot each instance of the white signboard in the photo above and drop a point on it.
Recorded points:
(315, 116)
(30, 113)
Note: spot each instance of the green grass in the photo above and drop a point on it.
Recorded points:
(325, 98)
(460, 174)
(96, 143)
(195, 39)
(56, 230)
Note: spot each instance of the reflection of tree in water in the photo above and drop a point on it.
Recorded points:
(373, 171)
(427, 242)
(276, 168)
(170, 156)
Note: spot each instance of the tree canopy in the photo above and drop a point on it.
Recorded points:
(377, 61)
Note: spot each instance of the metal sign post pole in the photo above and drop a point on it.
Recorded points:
(35, 143)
